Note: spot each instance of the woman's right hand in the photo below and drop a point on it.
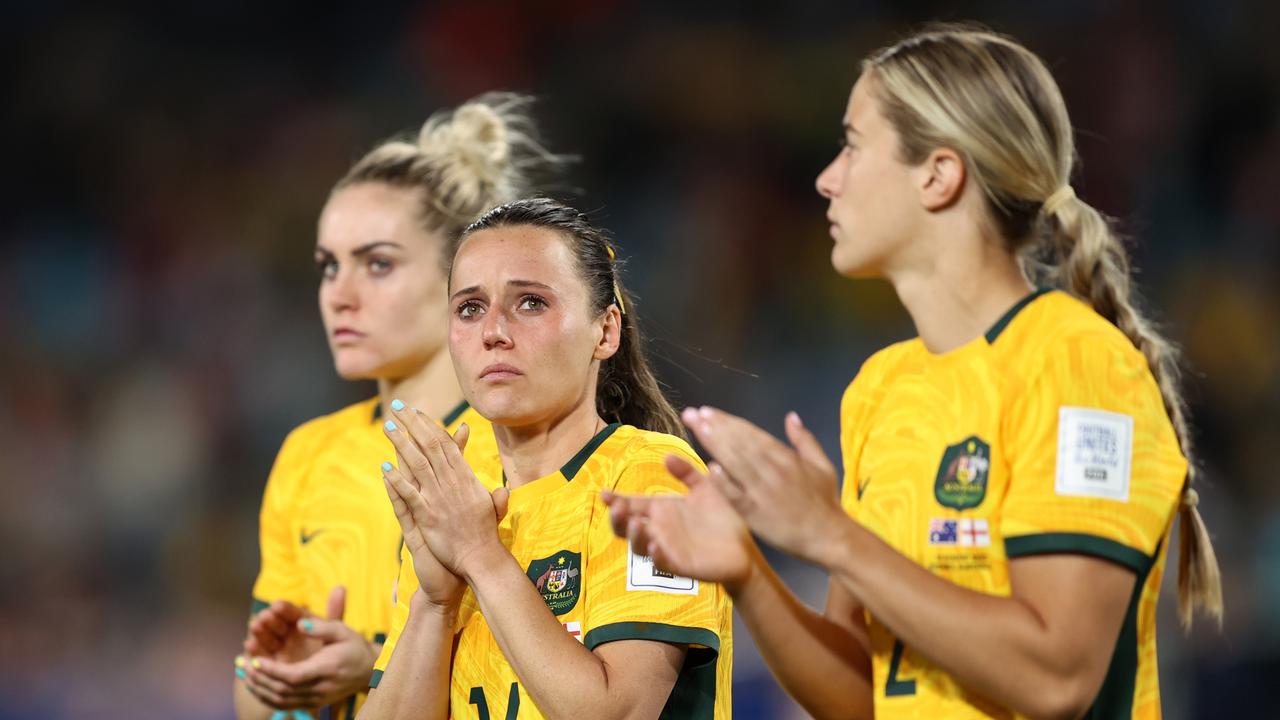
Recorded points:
(439, 586)
(698, 535)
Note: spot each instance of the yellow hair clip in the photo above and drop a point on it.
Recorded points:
(609, 249)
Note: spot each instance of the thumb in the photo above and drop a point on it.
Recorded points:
(500, 497)
(326, 631)
(685, 471)
(806, 444)
(461, 436)
(337, 602)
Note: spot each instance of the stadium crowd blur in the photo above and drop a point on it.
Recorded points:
(166, 169)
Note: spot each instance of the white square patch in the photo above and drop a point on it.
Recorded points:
(1095, 449)
(642, 575)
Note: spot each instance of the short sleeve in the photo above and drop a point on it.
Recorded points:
(627, 598)
(279, 575)
(1095, 467)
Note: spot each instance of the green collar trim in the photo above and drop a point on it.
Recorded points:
(1007, 318)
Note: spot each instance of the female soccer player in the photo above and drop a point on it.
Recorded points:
(1011, 475)
(560, 619)
(329, 539)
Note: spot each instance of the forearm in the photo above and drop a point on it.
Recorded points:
(958, 629)
(822, 664)
(564, 678)
(416, 682)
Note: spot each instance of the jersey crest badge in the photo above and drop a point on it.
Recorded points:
(558, 580)
(962, 475)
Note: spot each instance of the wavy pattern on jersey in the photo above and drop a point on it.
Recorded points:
(558, 516)
(326, 519)
(906, 407)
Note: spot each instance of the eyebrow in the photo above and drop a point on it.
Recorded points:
(510, 283)
(363, 249)
(849, 128)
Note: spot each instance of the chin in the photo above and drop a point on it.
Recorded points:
(500, 407)
(352, 366)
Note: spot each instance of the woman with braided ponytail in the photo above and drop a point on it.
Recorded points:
(322, 602)
(1011, 475)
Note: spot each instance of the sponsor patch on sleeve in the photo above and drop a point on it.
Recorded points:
(642, 575)
(1095, 450)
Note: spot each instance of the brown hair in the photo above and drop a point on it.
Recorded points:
(996, 103)
(627, 391)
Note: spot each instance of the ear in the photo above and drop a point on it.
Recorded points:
(941, 177)
(611, 335)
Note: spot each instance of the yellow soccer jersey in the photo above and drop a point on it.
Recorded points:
(1046, 435)
(558, 530)
(326, 519)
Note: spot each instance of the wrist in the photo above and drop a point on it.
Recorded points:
(422, 604)
(741, 585)
(483, 561)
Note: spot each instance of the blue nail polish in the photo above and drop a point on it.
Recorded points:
(397, 405)
(390, 425)
(280, 715)
(308, 626)
(386, 467)
(240, 673)
(302, 715)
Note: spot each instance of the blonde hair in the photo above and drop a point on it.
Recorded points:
(993, 101)
(462, 162)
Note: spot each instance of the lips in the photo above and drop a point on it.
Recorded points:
(500, 371)
(345, 335)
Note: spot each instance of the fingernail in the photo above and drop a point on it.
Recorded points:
(256, 663)
(397, 405)
(280, 715)
(689, 414)
(240, 661)
(308, 626)
(240, 673)
(302, 715)
(705, 411)
(390, 426)
(386, 467)
(794, 417)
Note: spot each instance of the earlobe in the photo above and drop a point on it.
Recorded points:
(943, 179)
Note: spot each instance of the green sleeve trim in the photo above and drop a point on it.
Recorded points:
(1008, 317)
(1081, 544)
(660, 632)
(576, 462)
(455, 413)
(258, 606)
(374, 679)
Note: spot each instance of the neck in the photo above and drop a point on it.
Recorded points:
(530, 452)
(433, 389)
(964, 287)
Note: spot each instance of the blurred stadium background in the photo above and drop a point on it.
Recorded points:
(167, 166)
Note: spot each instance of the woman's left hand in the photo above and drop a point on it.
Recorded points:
(787, 494)
(458, 517)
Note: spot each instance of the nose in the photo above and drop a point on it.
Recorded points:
(828, 183)
(339, 293)
(494, 331)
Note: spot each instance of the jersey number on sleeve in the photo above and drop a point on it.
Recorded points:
(892, 685)
(482, 705)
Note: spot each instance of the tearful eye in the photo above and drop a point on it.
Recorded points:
(379, 266)
(532, 302)
(469, 310)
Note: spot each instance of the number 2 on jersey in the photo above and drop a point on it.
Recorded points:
(482, 705)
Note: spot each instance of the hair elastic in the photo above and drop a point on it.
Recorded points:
(1054, 202)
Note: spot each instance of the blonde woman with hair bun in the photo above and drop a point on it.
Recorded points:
(330, 542)
(1011, 476)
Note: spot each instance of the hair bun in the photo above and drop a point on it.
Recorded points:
(472, 150)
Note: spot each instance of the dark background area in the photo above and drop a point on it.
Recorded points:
(167, 166)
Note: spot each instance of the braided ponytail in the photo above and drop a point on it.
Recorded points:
(1091, 263)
